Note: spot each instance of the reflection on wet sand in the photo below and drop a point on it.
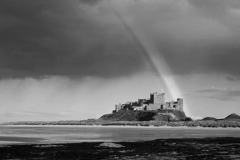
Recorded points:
(70, 134)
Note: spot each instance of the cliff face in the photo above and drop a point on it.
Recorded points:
(129, 115)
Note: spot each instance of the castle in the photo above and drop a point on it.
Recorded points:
(155, 102)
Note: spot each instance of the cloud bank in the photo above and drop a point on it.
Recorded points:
(85, 38)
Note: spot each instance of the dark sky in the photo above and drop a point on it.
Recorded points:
(59, 38)
(85, 38)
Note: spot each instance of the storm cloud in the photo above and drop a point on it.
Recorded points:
(81, 38)
(61, 38)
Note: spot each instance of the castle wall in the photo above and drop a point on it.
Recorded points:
(141, 102)
(126, 107)
(153, 107)
(164, 106)
(180, 104)
(151, 98)
(156, 102)
(139, 108)
(161, 98)
(118, 107)
(169, 105)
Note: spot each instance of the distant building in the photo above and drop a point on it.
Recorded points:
(156, 102)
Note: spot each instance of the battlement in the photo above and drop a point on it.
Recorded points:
(155, 102)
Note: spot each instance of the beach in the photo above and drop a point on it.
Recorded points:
(138, 142)
(73, 134)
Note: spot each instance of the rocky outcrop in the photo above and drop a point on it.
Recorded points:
(110, 145)
(166, 117)
(129, 115)
(209, 118)
(232, 117)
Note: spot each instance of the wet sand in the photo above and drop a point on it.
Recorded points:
(206, 148)
(10, 139)
(76, 134)
(63, 142)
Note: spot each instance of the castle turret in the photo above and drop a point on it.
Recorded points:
(171, 104)
(180, 104)
(118, 107)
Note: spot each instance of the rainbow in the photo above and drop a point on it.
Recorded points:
(154, 58)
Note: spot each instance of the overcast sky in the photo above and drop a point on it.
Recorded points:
(71, 60)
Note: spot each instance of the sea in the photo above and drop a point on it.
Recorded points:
(75, 134)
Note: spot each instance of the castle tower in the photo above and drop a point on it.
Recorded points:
(180, 104)
(152, 95)
(118, 107)
(163, 98)
(156, 98)
(171, 105)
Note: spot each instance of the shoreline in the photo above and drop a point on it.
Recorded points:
(127, 126)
